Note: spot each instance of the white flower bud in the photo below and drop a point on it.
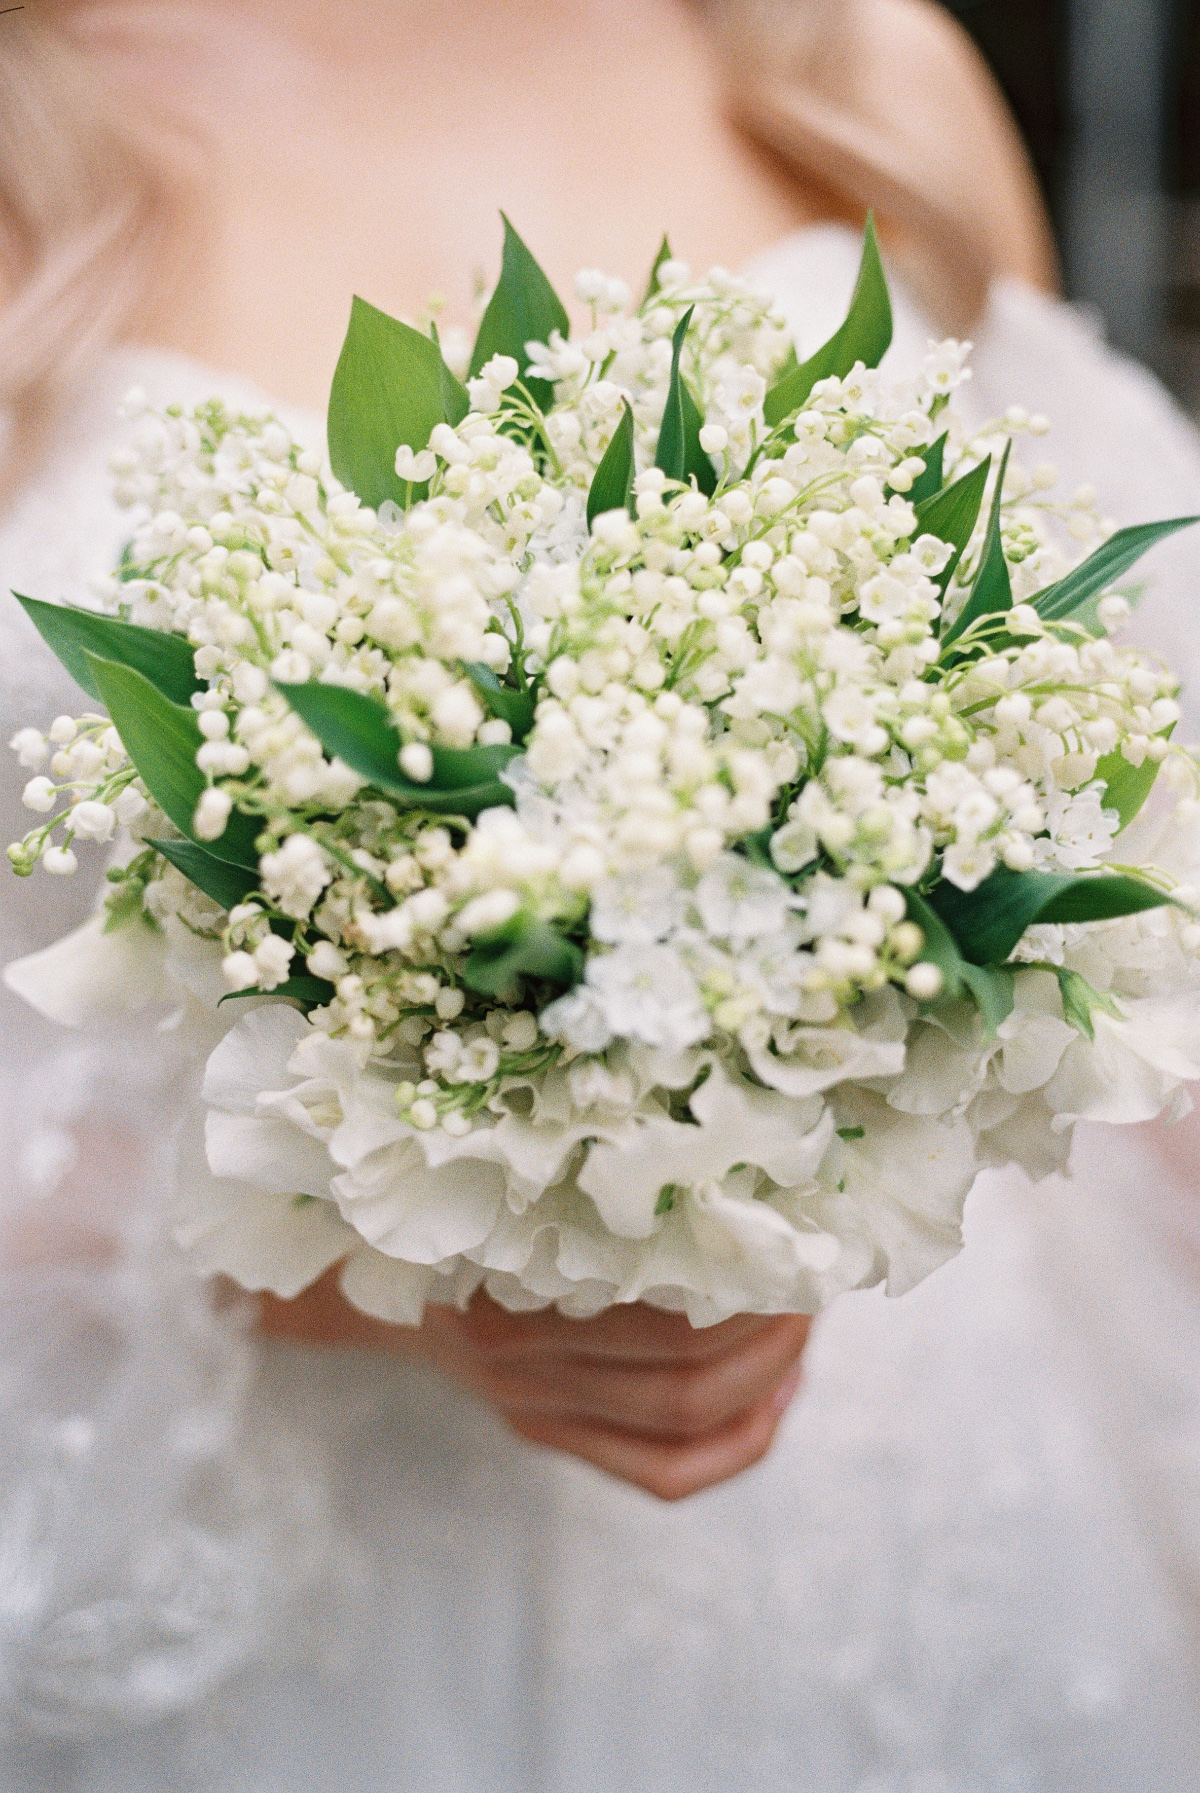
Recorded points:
(273, 958)
(1114, 612)
(1018, 854)
(95, 821)
(129, 806)
(325, 960)
(457, 715)
(494, 733)
(416, 762)
(240, 971)
(1015, 709)
(714, 439)
(61, 861)
(449, 1003)
(249, 683)
(924, 982)
(484, 914)
(30, 747)
(423, 1115)
(885, 901)
(291, 668)
(39, 794)
(521, 1032)
(214, 725)
(212, 813)
(416, 468)
(63, 730)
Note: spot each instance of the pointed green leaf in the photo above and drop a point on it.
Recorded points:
(358, 730)
(680, 455)
(391, 386)
(1101, 569)
(664, 254)
(162, 739)
(865, 336)
(309, 992)
(168, 661)
(994, 990)
(514, 707)
(991, 594)
(988, 922)
(928, 484)
(524, 308)
(953, 514)
(1127, 787)
(466, 768)
(612, 485)
(226, 884)
(456, 401)
(525, 947)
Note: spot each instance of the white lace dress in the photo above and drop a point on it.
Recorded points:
(970, 1565)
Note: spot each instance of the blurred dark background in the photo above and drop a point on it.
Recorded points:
(1108, 94)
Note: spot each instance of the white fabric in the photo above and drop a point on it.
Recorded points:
(970, 1565)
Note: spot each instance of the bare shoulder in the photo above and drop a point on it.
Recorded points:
(917, 74)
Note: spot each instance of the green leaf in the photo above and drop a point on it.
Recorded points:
(168, 661)
(226, 884)
(664, 254)
(514, 707)
(991, 594)
(865, 336)
(1101, 569)
(525, 947)
(991, 988)
(953, 514)
(994, 990)
(162, 739)
(680, 455)
(466, 768)
(1127, 787)
(358, 730)
(928, 484)
(456, 400)
(524, 308)
(390, 386)
(310, 992)
(988, 922)
(612, 484)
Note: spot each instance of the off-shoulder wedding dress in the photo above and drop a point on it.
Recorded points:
(970, 1565)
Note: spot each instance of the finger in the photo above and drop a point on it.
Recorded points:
(678, 1401)
(631, 1333)
(321, 1315)
(671, 1471)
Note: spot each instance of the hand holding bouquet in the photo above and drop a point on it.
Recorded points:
(653, 818)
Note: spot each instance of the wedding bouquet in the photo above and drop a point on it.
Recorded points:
(648, 818)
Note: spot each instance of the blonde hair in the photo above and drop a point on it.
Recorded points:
(85, 210)
(88, 200)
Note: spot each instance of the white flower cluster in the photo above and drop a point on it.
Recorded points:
(656, 1019)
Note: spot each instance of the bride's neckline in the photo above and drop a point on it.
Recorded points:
(174, 374)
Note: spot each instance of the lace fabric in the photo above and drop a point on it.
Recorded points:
(969, 1565)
